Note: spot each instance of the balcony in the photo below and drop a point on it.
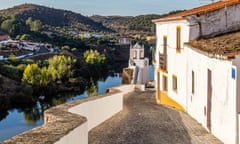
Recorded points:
(163, 62)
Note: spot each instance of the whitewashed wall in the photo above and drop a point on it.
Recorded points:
(223, 113)
(96, 111)
(76, 136)
(175, 62)
(224, 90)
(99, 110)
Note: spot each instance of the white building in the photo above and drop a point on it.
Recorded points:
(137, 71)
(139, 64)
(124, 41)
(197, 70)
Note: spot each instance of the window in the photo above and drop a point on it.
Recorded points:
(135, 54)
(165, 83)
(193, 81)
(141, 54)
(178, 39)
(174, 83)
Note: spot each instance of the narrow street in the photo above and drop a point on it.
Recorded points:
(142, 121)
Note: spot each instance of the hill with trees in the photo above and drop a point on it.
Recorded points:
(131, 25)
(52, 17)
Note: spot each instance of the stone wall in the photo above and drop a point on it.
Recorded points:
(215, 23)
(69, 123)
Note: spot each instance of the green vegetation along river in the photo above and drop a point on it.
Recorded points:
(22, 119)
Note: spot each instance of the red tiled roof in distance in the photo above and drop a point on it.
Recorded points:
(199, 10)
(4, 37)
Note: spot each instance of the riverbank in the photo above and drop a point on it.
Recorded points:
(20, 119)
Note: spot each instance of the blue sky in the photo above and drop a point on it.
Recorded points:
(111, 7)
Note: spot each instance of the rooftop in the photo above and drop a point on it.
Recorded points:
(225, 45)
(199, 10)
(4, 37)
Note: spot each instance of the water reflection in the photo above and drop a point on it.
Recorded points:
(3, 114)
(92, 89)
(32, 115)
(16, 120)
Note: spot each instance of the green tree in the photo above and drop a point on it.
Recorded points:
(29, 21)
(46, 77)
(25, 37)
(92, 90)
(7, 25)
(93, 57)
(61, 67)
(1, 80)
(32, 74)
(13, 59)
(34, 25)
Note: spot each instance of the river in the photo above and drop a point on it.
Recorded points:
(23, 119)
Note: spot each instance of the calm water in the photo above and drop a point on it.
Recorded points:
(20, 120)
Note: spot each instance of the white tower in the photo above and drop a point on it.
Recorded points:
(139, 64)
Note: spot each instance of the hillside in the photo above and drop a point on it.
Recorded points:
(129, 25)
(54, 17)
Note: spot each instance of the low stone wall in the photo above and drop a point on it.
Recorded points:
(69, 123)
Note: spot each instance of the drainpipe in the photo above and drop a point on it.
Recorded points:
(187, 93)
(237, 83)
(237, 105)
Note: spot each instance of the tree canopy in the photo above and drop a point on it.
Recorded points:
(35, 25)
(59, 68)
(93, 57)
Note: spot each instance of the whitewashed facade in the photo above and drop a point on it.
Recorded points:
(211, 93)
(139, 64)
(203, 84)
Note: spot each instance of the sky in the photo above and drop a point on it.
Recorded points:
(112, 7)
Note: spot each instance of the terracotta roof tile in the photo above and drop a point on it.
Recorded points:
(199, 10)
(4, 37)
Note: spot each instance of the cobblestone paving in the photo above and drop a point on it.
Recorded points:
(142, 121)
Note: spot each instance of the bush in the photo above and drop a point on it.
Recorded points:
(93, 57)
(10, 71)
(1, 80)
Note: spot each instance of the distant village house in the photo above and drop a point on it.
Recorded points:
(124, 41)
(4, 37)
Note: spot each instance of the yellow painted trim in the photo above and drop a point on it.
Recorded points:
(157, 96)
(178, 39)
(161, 70)
(178, 50)
(153, 62)
(166, 100)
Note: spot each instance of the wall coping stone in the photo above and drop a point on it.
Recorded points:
(58, 122)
